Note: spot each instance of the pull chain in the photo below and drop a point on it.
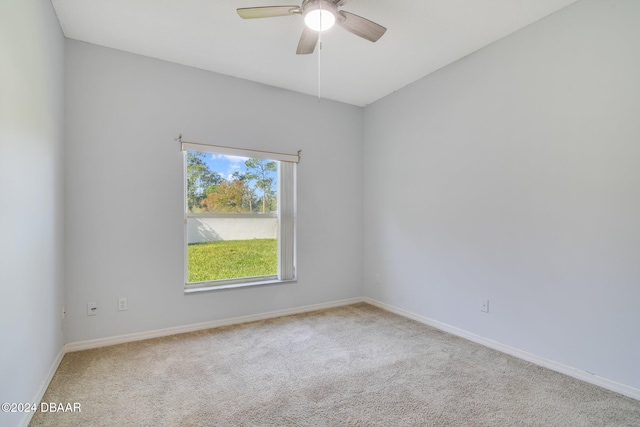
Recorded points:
(319, 61)
(319, 50)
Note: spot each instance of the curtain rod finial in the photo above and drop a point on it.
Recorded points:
(179, 138)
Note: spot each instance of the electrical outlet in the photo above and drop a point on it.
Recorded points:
(484, 305)
(377, 278)
(122, 304)
(92, 309)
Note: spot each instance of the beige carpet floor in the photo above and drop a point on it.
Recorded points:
(349, 366)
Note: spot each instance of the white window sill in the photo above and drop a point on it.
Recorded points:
(206, 288)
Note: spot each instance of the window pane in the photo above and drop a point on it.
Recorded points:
(231, 184)
(239, 221)
(231, 248)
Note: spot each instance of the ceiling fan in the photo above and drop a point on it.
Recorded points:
(319, 15)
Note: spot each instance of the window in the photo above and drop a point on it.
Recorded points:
(239, 217)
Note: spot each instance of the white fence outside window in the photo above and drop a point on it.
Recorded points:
(201, 230)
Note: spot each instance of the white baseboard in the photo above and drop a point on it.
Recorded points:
(26, 418)
(624, 389)
(120, 339)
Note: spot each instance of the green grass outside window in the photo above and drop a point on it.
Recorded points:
(231, 259)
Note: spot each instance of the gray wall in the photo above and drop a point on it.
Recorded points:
(513, 174)
(124, 172)
(31, 197)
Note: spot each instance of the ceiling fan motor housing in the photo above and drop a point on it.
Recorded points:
(309, 5)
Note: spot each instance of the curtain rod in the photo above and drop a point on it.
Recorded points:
(275, 153)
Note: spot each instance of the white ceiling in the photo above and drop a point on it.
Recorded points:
(422, 36)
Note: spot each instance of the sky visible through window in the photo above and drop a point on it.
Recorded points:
(226, 165)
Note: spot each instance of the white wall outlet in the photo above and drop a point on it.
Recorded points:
(122, 304)
(484, 305)
(377, 278)
(92, 309)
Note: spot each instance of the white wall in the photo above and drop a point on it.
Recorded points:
(124, 171)
(31, 197)
(514, 174)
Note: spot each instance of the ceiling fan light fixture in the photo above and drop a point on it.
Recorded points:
(319, 19)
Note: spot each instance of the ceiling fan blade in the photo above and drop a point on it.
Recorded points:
(360, 26)
(308, 41)
(268, 11)
(341, 2)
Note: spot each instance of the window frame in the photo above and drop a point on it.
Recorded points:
(286, 214)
